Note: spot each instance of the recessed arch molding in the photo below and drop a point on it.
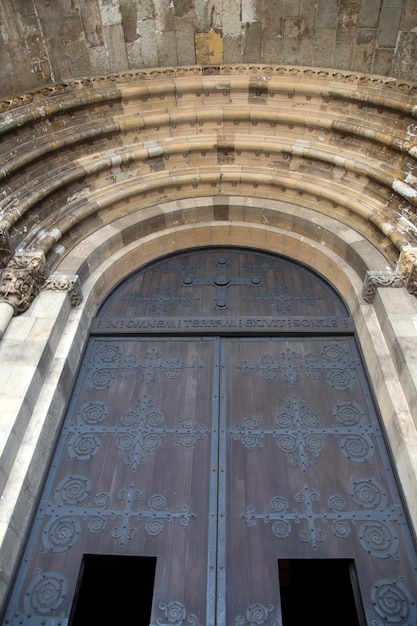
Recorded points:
(79, 155)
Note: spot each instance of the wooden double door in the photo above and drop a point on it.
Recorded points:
(230, 460)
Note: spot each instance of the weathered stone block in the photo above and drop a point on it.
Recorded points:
(405, 58)
(110, 12)
(116, 48)
(327, 14)
(231, 22)
(149, 49)
(389, 22)
(252, 42)
(128, 12)
(324, 47)
(184, 39)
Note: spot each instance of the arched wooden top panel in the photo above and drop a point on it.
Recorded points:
(194, 289)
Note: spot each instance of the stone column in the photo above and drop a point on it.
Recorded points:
(20, 282)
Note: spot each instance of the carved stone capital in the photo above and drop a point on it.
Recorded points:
(21, 280)
(6, 249)
(64, 282)
(407, 267)
(377, 278)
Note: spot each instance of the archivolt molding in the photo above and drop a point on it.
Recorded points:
(80, 155)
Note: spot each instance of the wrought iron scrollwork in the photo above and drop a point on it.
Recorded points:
(138, 433)
(334, 359)
(176, 614)
(301, 436)
(393, 603)
(256, 615)
(109, 359)
(373, 518)
(70, 510)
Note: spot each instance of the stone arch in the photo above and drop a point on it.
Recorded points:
(70, 211)
(110, 261)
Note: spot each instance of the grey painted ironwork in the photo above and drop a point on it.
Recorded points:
(212, 600)
(160, 299)
(373, 518)
(282, 299)
(222, 281)
(138, 433)
(256, 615)
(301, 436)
(221, 495)
(71, 510)
(109, 359)
(176, 614)
(393, 603)
(334, 359)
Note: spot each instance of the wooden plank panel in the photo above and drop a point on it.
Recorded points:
(131, 475)
(223, 282)
(307, 472)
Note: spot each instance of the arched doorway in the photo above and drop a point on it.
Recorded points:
(222, 444)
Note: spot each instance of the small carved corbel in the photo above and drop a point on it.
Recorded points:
(6, 248)
(379, 278)
(21, 280)
(407, 267)
(64, 282)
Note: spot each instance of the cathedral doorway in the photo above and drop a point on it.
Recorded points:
(221, 458)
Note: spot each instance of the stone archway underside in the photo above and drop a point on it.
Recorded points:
(77, 156)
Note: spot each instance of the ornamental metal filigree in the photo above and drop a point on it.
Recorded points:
(301, 436)
(160, 299)
(282, 299)
(221, 282)
(138, 434)
(373, 519)
(45, 593)
(256, 615)
(334, 359)
(71, 510)
(175, 614)
(109, 359)
(393, 603)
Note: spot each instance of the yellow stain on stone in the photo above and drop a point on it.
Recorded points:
(215, 47)
(208, 48)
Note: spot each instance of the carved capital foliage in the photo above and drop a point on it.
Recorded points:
(21, 280)
(376, 278)
(6, 249)
(407, 266)
(63, 282)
